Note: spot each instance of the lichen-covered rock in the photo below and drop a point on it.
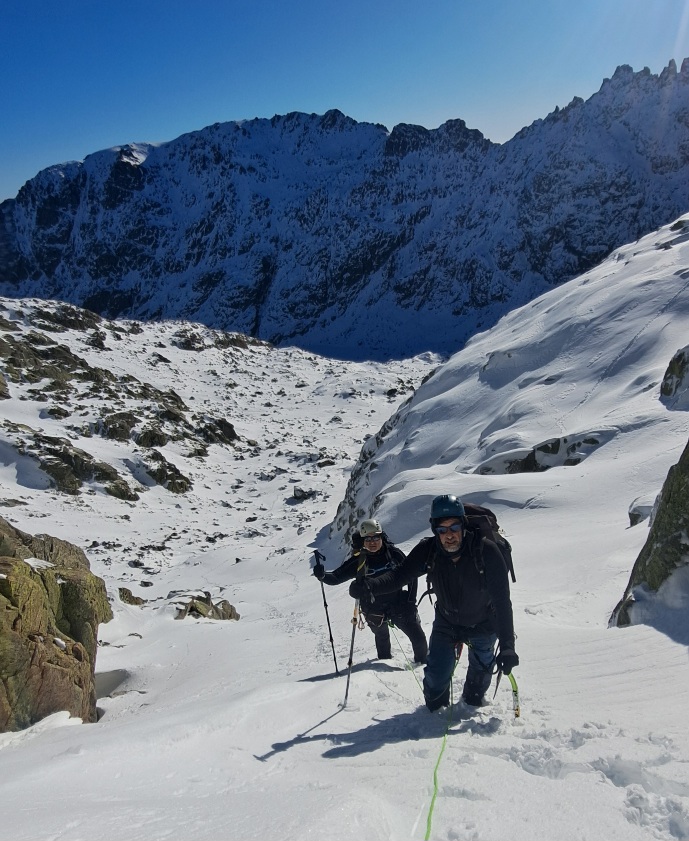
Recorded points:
(152, 436)
(121, 490)
(667, 546)
(203, 607)
(35, 358)
(218, 431)
(50, 607)
(119, 425)
(166, 474)
(70, 466)
(64, 317)
(128, 597)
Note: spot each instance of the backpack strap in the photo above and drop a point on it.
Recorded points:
(430, 561)
(412, 588)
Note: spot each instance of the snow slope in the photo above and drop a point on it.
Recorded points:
(236, 728)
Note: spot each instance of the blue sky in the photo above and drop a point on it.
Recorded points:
(77, 76)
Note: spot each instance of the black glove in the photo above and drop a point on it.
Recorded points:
(319, 571)
(360, 589)
(507, 659)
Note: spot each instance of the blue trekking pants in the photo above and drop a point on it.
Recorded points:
(442, 660)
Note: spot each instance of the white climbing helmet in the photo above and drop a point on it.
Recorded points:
(370, 528)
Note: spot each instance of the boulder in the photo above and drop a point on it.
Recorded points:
(165, 473)
(128, 597)
(674, 390)
(152, 435)
(50, 607)
(666, 550)
(203, 607)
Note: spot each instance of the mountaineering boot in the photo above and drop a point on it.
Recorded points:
(442, 700)
(475, 686)
(473, 699)
(383, 647)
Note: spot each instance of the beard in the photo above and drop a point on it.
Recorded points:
(453, 554)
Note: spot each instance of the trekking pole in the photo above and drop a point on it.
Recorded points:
(319, 559)
(355, 622)
(360, 573)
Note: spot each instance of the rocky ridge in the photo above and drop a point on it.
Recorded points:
(297, 228)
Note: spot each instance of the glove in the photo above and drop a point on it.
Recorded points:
(360, 589)
(507, 659)
(319, 571)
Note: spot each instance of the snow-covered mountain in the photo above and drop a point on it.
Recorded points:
(302, 228)
(578, 372)
(234, 728)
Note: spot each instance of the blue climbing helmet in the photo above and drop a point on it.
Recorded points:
(447, 505)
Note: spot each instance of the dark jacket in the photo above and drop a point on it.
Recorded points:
(472, 592)
(371, 566)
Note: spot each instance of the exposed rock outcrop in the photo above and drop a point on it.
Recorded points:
(40, 369)
(674, 390)
(567, 451)
(667, 548)
(203, 607)
(50, 607)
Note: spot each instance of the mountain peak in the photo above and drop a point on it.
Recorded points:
(317, 229)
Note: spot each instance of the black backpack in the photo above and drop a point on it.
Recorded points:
(484, 521)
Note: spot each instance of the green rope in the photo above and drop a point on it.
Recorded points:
(517, 712)
(429, 819)
(410, 667)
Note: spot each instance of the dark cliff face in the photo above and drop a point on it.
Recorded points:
(293, 229)
(662, 560)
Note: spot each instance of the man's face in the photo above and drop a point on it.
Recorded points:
(449, 533)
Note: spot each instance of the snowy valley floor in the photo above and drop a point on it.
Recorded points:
(234, 729)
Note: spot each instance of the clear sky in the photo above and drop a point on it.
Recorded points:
(77, 76)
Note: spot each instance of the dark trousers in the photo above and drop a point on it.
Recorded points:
(406, 618)
(442, 661)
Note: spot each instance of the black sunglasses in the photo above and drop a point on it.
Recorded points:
(455, 527)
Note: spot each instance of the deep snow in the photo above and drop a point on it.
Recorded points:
(235, 729)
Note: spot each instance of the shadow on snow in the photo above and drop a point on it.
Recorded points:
(403, 727)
